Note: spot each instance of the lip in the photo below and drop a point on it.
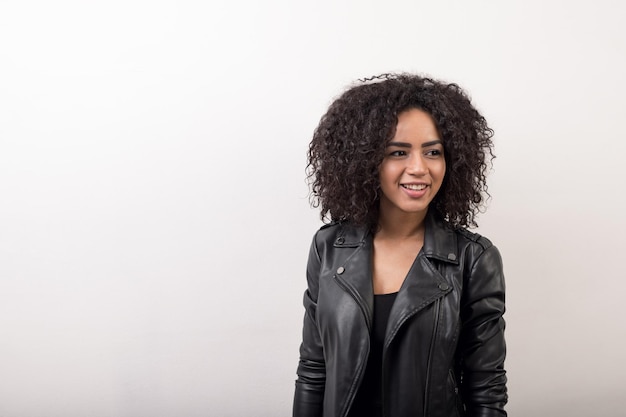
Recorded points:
(415, 193)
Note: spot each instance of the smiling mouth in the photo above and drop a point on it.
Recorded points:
(414, 187)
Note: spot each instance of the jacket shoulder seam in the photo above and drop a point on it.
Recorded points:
(484, 242)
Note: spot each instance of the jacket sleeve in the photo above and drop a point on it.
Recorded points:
(482, 346)
(309, 393)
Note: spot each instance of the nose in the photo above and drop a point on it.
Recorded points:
(416, 165)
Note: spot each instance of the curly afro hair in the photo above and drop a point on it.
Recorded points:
(349, 143)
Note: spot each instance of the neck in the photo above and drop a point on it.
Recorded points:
(400, 225)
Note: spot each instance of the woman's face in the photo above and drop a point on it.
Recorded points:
(414, 165)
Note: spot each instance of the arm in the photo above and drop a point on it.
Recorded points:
(482, 346)
(309, 395)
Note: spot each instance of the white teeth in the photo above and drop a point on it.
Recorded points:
(415, 187)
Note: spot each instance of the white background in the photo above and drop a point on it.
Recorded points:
(154, 220)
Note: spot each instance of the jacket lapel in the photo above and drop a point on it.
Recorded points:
(354, 271)
(424, 284)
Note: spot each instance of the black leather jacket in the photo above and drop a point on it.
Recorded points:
(444, 347)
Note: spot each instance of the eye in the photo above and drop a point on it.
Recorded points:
(433, 152)
(397, 153)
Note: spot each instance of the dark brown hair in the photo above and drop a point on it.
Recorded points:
(349, 143)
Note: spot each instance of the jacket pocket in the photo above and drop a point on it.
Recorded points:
(453, 390)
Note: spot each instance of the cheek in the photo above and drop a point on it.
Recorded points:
(441, 169)
(439, 174)
(385, 173)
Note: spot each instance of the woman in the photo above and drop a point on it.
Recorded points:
(403, 310)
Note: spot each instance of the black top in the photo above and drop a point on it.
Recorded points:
(368, 400)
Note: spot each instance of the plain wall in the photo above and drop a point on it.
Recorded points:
(154, 219)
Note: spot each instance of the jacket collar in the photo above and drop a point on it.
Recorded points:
(440, 240)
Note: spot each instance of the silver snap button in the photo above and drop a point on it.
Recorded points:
(443, 286)
(452, 257)
(340, 270)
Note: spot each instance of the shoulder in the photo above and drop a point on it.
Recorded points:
(326, 233)
(474, 247)
(479, 253)
(447, 243)
(332, 242)
(471, 238)
(339, 234)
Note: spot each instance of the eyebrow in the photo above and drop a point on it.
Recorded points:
(408, 145)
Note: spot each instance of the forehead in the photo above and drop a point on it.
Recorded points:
(415, 125)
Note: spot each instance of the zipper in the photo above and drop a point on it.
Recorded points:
(363, 365)
(430, 354)
(382, 385)
(359, 378)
